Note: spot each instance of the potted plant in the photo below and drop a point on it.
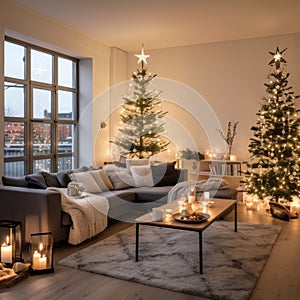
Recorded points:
(190, 159)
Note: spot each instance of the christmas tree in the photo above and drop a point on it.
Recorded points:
(274, 165)
(142, 123)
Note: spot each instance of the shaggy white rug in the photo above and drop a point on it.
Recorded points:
(169, 258)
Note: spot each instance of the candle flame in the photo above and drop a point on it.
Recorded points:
(7, 240)
(41, 246)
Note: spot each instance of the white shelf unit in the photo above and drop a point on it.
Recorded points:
(231, 171)
(220, 167)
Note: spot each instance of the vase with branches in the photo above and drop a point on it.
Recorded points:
(230, 135)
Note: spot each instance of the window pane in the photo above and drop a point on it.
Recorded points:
(41, 138)
(13, 169)
(14, 139)
(14, 60)
(41, 66)
(42, 104)
(65, 138)
(66, 72)
(14, 100)
(66, 105)
(65, 163)
(42, 165)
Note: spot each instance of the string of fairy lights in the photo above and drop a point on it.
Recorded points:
(275, 151)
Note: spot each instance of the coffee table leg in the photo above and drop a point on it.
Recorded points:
(137, 242)
(200, 253)
(235, 217)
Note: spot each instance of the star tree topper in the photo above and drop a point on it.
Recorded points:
(142, 57)
(277, 58)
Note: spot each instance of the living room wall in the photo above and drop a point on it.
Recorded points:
(230, 76)
(19, 22)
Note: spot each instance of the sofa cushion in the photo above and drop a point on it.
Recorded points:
(119, 177)
(63, 177)
(87, 180)
(35, 181)
(102, 180)
(136, 162)
(14, 181)
(51, 179)
(165, 174)
(142, 176)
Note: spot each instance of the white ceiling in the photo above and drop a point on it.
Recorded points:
(169, 23)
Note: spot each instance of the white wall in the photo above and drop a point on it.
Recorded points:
(229, 75)
(24, 24)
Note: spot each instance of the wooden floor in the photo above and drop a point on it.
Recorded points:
(280, 278)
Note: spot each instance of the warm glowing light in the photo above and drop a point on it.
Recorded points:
(142, 57)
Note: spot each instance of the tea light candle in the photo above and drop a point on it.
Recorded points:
(233, 157)
(251, 204)
(6, 252)
(206, 195)
(294, 206)
(195, 206)
(168, 216)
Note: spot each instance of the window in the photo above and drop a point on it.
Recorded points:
(40, 109)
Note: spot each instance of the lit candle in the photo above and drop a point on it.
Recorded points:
(36, 260)
(6, 252)
(206, 196)
(233, 157)
(192, 196)
(43, 262)
(195, 206)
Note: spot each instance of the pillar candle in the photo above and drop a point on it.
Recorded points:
(36, 260)
(43, 262)
(6, 253)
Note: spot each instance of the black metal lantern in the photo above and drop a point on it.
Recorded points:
(11, 242)
(41, 252)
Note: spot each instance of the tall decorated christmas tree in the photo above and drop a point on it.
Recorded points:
(274, 167)
(142, 122)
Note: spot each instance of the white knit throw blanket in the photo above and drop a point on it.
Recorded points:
(183, 188)
(88, 214)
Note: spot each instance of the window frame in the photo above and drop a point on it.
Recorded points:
(28, 158)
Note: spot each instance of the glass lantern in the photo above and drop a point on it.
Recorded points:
(11, 242)
(41, 253)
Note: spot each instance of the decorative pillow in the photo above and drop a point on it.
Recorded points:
(142, 175)
(119, 177)
(136, 162)
(51, 179)
(112, 168)
(36, 181)
(102, 180)
(63, 178)
(165, 174)
(14, 181)
(87, 180)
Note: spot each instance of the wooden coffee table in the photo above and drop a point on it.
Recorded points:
(215, 212)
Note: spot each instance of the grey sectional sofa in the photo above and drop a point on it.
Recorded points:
(39, 209)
